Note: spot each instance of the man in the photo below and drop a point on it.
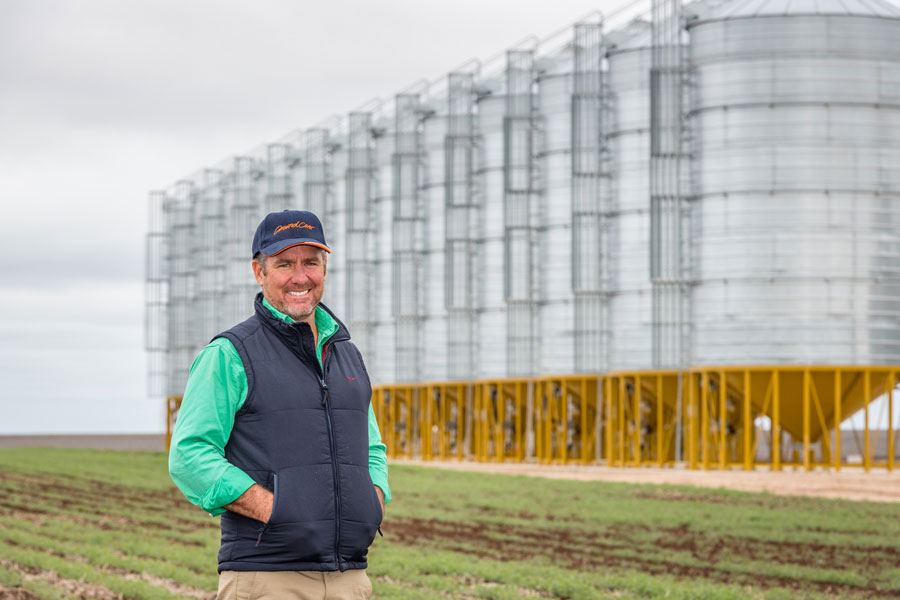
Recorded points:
(276, 433)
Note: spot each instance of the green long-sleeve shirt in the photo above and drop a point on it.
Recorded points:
(216, 389)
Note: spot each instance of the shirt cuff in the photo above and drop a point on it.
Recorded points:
(380, 480)
(225, 490)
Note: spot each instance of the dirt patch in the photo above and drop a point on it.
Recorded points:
(829, 556)
(171, 585)
(16, 594)
(71, 500)
(72, 587)
(849, 484)
(521, 592)
(616, 547)
(412, 586)
(669, 495)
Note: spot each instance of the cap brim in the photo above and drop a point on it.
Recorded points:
(283, 245)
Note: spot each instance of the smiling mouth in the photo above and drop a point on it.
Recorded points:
(298, 294)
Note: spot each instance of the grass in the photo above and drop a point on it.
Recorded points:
(75, 522)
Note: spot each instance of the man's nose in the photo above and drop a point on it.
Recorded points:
(299, 275)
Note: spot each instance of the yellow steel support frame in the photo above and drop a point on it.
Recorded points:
(428, 421)
(748, 427)
(401, 418)
(890, 387)
(639, 425)
(507, 414)
(629, 418)
(442, 420)
(608, 396)
(173, 404)
(565, 417)
(836, 422)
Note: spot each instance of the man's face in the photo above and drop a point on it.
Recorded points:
(293, 281)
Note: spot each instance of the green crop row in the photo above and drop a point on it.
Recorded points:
(105, 517)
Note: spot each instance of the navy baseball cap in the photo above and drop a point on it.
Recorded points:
(281, 230)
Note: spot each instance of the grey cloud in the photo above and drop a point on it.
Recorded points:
(105, 100)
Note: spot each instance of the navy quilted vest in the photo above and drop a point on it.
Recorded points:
(304, 435)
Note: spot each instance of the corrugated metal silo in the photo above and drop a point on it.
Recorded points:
(382, 366)
(432, 192)
(277, 185)
(210, 239)
(628, 140)
(335, 151)
(553, 222)
(491, 264)
(796, 120)
(461, 202)
(520, 204)
(243, 213)
(182, 334)
(409, 219)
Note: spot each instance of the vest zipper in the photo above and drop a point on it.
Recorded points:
(334, 471)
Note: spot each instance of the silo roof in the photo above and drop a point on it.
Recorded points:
(737, 9)
(636, 34)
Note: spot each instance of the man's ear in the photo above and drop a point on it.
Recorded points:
(257, 272)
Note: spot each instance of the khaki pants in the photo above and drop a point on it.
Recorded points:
(294, 585)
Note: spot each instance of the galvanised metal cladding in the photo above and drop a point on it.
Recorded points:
(179, 210)
(520, 178)
(277, 178)
(243, 214)
(209, 240)
(628, 125)
(797, 125)
(360, 234)
(316, 195)
(460, 231)
(491, 261)
(409, 222)
(793, 124)
(336, 287)
(381, 364)
(669, 218)
(589, 202)
(432, 191)
(156, 296)
(553, 218)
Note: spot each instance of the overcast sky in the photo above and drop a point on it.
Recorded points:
(102, 101)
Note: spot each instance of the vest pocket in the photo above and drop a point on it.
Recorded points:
(301, 527)
(265, 526)
(275, 498)
(360, 512)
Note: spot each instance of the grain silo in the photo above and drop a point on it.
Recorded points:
(796, 117)
(669, 237)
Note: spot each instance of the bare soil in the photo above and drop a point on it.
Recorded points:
(71, 587)
(876, 485)
(623, 547)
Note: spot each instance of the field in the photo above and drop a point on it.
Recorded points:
(109, 524)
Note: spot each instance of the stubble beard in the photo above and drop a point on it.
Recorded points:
(298, 316)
